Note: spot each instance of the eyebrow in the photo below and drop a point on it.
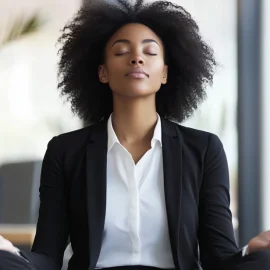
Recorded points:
(145, 41)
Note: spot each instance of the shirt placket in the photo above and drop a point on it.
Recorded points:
(134, 214)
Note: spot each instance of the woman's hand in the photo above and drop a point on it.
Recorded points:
(7, 246)
(260, 242)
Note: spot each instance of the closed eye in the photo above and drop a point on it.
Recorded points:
(118, 54)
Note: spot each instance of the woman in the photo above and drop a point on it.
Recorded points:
(134, 190)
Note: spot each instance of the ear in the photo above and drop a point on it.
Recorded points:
(102, 74)
(164, 75)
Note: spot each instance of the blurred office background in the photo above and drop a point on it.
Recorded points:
(32, 112)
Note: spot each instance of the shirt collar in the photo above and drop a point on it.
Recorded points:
(157, 132)
(112, 138)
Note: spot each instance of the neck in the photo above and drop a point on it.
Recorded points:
(134, 120)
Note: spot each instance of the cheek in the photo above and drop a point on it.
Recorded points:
(114, 68)
(156, 70)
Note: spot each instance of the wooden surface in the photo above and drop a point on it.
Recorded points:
(18, 234)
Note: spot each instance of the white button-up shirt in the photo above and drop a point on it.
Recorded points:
(136, 229)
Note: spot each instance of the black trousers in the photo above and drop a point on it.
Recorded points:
(255, 261)
(10, 261)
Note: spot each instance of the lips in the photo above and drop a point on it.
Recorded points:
(137, 74)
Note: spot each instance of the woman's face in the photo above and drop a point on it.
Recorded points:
(134, 62)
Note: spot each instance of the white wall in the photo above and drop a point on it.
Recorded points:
(31, 111)
(266, 115)
(55, 11)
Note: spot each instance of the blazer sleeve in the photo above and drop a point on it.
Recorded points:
(52, 228)
(218, 249)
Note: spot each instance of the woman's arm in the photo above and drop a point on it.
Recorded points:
(52, 227)
(216, 234)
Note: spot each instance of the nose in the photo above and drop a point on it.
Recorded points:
(135, 60)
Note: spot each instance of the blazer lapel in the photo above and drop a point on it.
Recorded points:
(172, 165)
(96, 170)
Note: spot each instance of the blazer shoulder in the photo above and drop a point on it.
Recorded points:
(75, 135)
(76, 138)
(196, 137)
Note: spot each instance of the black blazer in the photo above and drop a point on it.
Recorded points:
(73, 199)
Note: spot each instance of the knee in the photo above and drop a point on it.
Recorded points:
(10, 261)
(4, 254)
(263, 258)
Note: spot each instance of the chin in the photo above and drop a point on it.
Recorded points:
(135, 93)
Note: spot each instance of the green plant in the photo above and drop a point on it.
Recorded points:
(21, 27)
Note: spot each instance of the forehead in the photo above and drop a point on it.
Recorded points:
(135, 33)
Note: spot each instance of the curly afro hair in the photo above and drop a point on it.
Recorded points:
(191, 61)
